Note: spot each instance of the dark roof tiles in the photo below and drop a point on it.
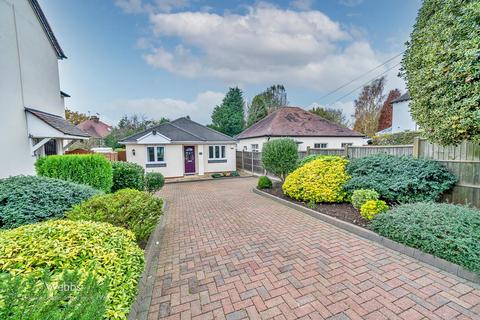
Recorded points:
(403, 97)
(58, 123)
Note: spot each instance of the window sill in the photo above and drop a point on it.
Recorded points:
(155, 164)
(217, 160)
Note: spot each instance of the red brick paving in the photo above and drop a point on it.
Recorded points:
(228, 253)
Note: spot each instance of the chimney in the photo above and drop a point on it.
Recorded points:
(95, 118)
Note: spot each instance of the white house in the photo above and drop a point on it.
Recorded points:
(401, 116)
(307, 129)
(31, 103)
(181, 147)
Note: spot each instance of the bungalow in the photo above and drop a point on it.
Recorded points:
(181, 147)
(97, 129)
(33, 111)
(307, 129)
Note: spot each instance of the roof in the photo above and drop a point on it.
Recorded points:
(48, 30)
(64, 94)
(95, 128)
(183, 129)
(296, 122)
(403, 97)
(58, 123)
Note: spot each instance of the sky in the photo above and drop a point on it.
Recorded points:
(172, 58)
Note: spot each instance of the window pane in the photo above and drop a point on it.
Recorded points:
(160, 153)
(217, 151)
(223, 152)
(210, 152)
(150, 154)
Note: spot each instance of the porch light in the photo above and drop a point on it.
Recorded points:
(133, 151)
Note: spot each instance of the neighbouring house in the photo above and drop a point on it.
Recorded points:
(401, 117)
(33, 112)
(307, 129)
(97, 129)
(181, 147)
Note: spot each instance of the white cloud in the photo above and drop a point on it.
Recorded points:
(198, 109)
(301, 4)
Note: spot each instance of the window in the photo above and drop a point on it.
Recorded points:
(344, 144)
(216, 152)
(255, 147)
(155, 154)
(320, 145)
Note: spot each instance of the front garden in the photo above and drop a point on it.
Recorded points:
(72, 238)
(396, 197)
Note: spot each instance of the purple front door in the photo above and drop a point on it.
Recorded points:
(189, 152)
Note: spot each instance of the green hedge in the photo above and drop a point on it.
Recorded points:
(280, 156)
(55, 246)
(400, 138)
(90, 169)
(400, 179)
(135, 210)
(264, 182)
(447, 231)
(29, 199)
(127, 175)
(154, 181)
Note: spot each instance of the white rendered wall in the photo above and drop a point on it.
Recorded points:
(401, 117)
(332, 142)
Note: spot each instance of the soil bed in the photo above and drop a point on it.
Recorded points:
(342, 211)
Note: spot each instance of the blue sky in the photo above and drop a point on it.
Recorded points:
(178, 57)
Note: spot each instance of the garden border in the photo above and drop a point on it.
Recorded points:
(426, 258)
(141, 305)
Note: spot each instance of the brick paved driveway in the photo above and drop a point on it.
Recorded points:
(229, 253)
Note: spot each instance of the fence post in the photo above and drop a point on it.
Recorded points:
(346, 150)
(416, 147)
(308, 151)
(243, 162)
(251, 156)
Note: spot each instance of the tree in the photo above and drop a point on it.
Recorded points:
(367, 107)
(333, 115)
(75, 117)
(441, 67)
(228, 117)
(280, 156)
(266, 102)
(386, 113)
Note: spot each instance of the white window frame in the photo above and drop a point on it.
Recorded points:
(320, 145)
(220, 147)
(155, 154)
(343, 144)
(255, 147)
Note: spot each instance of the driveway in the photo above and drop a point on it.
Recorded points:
(229, 253)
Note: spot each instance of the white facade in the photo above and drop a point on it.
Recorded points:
(303, 142)
(28, 78)
(401, 117)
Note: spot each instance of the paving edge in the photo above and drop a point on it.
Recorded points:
(207, 179)
(141, 305)
(426, 258)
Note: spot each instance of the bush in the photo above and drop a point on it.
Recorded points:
(135, 210)
(216, 175)
(307, 159)
(109, 253)
(400, 179)
(441, 69)
(69, 298)
(447, 231)
(320, 180)
(359, 197)
(154, 181)
(127, 175)
(280, 156)
(399, 138)
(264, 183)
(91, 169)
(29, 199)
(371, 208)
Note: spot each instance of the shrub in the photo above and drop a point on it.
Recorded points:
(90, 169)
(359, 197)
(264, 183)
(399, 138)
(135, 210)
(29, 199)
(234, 174)
(154, 181)
(448, 231)
(400, 179)
(216, 175)
(307, 159)
(320, 180)
(109, 253)
(127, 175)
(371, 208)
(69, 298)
(441, 69)
(280, 156)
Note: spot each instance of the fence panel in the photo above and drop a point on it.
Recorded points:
(359, 152)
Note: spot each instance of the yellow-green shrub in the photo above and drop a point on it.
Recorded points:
(320, 180)
(108, 253)
(373, 207)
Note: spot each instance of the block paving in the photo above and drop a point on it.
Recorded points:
(228, 253)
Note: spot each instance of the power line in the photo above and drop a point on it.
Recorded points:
(365, 83)
(361, 76)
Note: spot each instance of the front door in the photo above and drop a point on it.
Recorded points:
(189, 155)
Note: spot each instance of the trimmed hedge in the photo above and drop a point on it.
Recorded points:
(154, 181)
(320, 180)
(280, 156)
(29, 199)
(135, 210)
(127, 175)
(91, 169)
(264, 182)
(400, 179)
(399, 138)
(448, 231)
(109, 253)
